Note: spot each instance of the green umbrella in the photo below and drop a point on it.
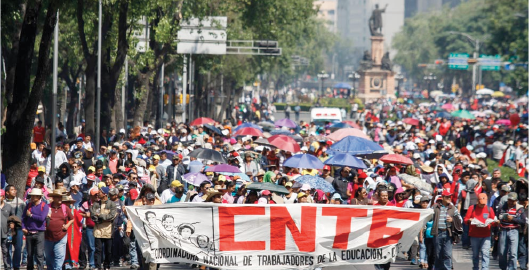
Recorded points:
(464, 114)
(268, 186)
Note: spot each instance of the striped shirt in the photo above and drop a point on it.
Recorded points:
(442, 220)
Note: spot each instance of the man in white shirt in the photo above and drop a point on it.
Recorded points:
(168, 194)
(37, 153)
(88, 143)
(77, 173)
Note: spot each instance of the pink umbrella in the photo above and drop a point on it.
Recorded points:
(345, 132)
(351, 123)
(448, 106)
(505, 122)
(249, 131)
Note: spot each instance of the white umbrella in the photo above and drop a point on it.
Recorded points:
(436, 93)
(484, 91)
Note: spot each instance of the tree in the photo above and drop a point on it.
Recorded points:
(22, 103)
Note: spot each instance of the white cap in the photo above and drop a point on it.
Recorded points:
(122, 131)
(439, 138)
(416, 156)
(481, 155)
(417, 140)
(75, 183)
(208, 145)
(305, 187)
(431, 141)
(153, 132)
(399, 123)
(304, 148)
(225, 132)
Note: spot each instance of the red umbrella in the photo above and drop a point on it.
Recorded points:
(202, 121)
(248, 131)
(284, 142)
(351, 123)
(411, 121)
(396, 159)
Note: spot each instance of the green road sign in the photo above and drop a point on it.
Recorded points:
(458, 61)
(490, 62)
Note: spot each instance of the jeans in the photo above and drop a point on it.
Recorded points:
(88, 242)
(35, 243)
(117, 246)
(508, 245)
(385, 266)
(423, 252)
(429, 246)
(16, 249)
(100, 254)
(523, 251)
(481, 245)
(443, 245)
(55, 253)
(132, 250)
(465, 236)
(6, 258)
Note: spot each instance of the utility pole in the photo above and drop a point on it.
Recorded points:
(184, 85)
(161, 98)
(54, 97)
(123, 91)
(98, 109)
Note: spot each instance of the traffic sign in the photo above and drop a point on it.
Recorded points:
(458, 61)
(490, 62)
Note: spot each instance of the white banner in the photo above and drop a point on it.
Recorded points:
(287, 236)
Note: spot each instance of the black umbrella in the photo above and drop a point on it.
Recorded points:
(208, 154)
(267, 186)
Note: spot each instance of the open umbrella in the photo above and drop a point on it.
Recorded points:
(266, 125)
(504, 122)
(267, 186)
(485, 91)
(342, 85)
(464, 114)
(195, 178)
(396, 159)
(445, 115)
(497, 94)
(223, 168)
(436, 93)
(249, 131)
(417, 182)
(342, 133)
(345, 160)
(305, 161)
(352, 124)
(169, 154)
(280, 132)
(478, 114)
(214, 129)
(284, 142)
(285, 123)
(202, 121)
(354, 146)
(316, 183)
(339, 125)
(262, 141)
(251, 125)
(208, 154)
(411, 121)
(448, 106)
(243, 176)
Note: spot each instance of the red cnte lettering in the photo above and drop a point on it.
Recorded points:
(226, 229)
(343, 228)
(378, 230)
(304, 238)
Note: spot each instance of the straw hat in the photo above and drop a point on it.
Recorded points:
(35, 192)
(427, 169)
(56, 193)
(209, 195)
(67, 199)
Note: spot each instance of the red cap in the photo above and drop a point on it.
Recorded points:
(91, 177)
(134, 194)
(362, 175)
(329, 142)
(235, 154)
(327, 167)
(180, 156)
(265, 193)
(446, 192)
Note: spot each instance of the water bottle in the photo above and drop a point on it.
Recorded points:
(9, 239)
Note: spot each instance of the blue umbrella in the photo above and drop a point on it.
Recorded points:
(354, 146)
(345, 160)
(280, 132)
(195, 178)
(247, 124)
(339, 125)
(214, 129)
(305, 161)
(243, 176)
(443, 115)
(316, 183)
(342, 85)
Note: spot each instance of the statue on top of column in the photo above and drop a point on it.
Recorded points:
(376, 21)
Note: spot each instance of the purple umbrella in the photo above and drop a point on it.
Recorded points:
(195, 178)
(285, 123)
(223, 168)
(305, 161)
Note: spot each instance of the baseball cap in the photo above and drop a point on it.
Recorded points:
(113, 191)
(93, 191)
(301, 194)
(305, 187)
(424, 199)
(416, 156)
(133, 193)
(512, 196)
(91, 177)
(288, 184)
(156, 157)
(265, 193)
(75, 183)
(505, 188)
(105, 190)
(92, 168)
(446, 192)
(482, 198)
(327, 167)
(42, 169)
(176, 183)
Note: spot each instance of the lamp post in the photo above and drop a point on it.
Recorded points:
(399, 77)
(322, 76)
(429, 78)
(98, 96)
(354, 77)
(54, 97)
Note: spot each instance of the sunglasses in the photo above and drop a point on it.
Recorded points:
(134, 178)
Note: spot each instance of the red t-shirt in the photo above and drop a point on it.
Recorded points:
(32, 174)
(481, 213)
(38, 134)
(54, 230)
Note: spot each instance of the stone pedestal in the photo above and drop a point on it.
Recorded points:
(378, 49)
(376, 83)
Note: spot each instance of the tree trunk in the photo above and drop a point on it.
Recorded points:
(21, 111)
(118, 113)
(140, 110)
(90, 98)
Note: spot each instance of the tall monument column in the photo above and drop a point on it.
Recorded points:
(377, 49)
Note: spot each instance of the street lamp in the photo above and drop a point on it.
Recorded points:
(475, 42)
(322, 76)
(429, 78)
(399, 77)
(354, 77)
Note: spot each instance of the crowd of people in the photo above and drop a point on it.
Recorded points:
(450, 171)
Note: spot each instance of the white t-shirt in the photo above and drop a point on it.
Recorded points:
(166, 195)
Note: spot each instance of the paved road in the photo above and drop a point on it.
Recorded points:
(304, 116)
(462, 259)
